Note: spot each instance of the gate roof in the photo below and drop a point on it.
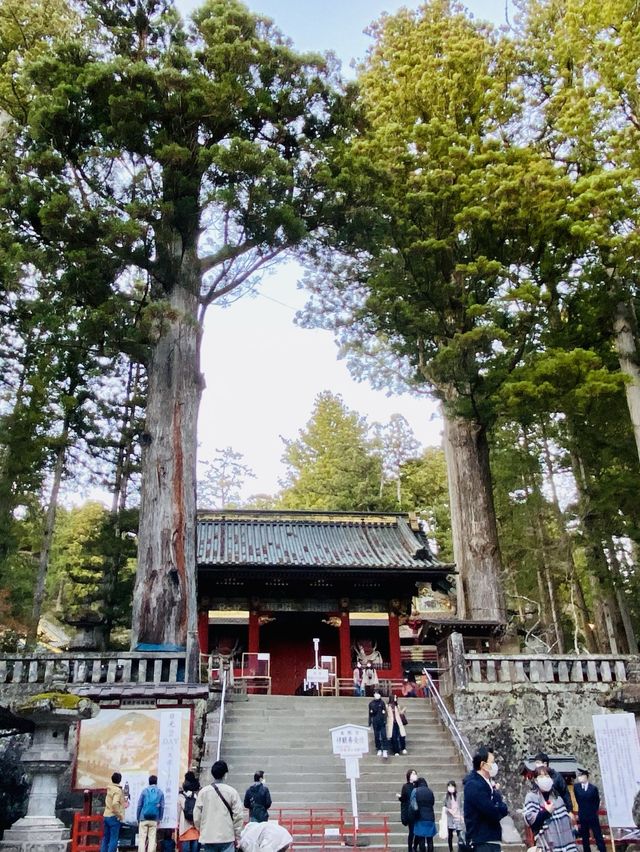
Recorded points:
(338, 540)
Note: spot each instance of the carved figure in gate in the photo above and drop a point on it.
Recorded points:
(367, 652)
(223, 657)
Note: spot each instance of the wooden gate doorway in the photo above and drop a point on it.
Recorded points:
(289, 640)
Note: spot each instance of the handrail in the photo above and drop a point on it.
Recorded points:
(223, 695)
(449, 721)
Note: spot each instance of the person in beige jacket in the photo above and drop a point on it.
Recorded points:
(218, 814)
(113, 814)
(396, 720)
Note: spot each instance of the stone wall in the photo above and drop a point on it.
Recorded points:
(517, 720)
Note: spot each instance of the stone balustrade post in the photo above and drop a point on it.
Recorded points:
(457, 664)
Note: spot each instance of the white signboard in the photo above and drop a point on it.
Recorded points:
(350, 740)
(318, 675)
(619, 757)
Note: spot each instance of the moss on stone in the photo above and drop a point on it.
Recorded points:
(58, 701)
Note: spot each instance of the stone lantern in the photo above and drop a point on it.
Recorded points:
(52, 715)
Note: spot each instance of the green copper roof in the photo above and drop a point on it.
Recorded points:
(323, 539)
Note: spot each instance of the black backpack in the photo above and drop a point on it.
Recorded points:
(189, 805)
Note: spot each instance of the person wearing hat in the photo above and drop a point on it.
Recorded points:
(559, 784)
(587, 796)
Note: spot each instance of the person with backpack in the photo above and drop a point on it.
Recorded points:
(188, 834)
(218, 814)
(258, 799)
(149, 813)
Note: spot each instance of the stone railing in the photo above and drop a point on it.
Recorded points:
(468, 670)
(545, 668)
(76, 668)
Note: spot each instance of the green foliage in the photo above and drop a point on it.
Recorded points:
(447, 217)
(82, 583)
(425, 491)
(26, 30)
(332, 465)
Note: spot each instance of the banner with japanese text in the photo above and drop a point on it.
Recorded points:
(619, 757)
(136, 743)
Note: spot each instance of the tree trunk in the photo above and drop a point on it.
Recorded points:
(546, 586)
(47, 536)
(164, 603)
(122, 476)
(618, 582)
(598, 566)
(577, 592)
(625, 329)
(473, 521)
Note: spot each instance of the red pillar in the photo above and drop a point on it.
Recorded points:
(203, 631)
(345, 646)
(254, 632)
(394, 646)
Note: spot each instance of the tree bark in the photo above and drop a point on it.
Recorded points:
(625, 329)
(473, 521)
(164, 603)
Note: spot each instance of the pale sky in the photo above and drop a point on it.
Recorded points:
(263, 372)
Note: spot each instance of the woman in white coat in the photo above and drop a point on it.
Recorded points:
(396, 720)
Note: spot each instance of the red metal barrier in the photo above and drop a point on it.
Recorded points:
(86, 833)
(327, 828)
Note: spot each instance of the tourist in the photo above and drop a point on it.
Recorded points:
(114, 808)
(454, 816)
(149, 813)
(378, 721)
(483, 804)
(358, 685)
(188, 834)
(258, 799)
(218, 814)
(405, 797)
(546, 814)
(369, 680)
(396, 720)
(559, 784)
(587, 796)
(409, 688)
(424, 821)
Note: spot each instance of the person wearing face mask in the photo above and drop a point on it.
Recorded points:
(378, 721)
(546, 813)
(559, 784)
(405, 797)
(484, 806)
(588, 799)
(454, 817)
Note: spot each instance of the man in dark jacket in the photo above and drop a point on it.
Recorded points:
(258, 798)
(588, 799)
(559, 784)
(483, 804)
(378, 721)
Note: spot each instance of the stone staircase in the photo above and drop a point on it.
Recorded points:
(288, 737)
